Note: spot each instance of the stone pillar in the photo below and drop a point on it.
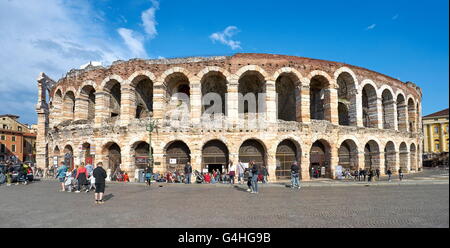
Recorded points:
(334, 161)
(426, 138)
(41, 139)
(408, 161)
(331, 105)
(298, 104)
(81, 108)
(127, 159)
(378, 123)
(305, 106)
(196, 160)
(304, 166)
(127, 105)
(271, 167)
(397, 163)
(101, 108)
(159, 104)
(271, 102)
(195, 102)
(361, 159)
(232, 101)
(395, 113)
(381, 162)
(355, 110)
(442, 140)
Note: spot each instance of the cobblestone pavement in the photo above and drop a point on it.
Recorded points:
(40, 204)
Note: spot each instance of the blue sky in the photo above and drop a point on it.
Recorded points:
(407, 40)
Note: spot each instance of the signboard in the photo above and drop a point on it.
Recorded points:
(244, 165)
(322, 171)
(173, 161)
(55, 160)
(141, 160)
(205, 170)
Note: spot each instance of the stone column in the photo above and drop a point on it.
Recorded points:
(304, 166)
(271, 167)
(331, 105)
(395, 121)
(361, 159)
(127, 105)
(81, 108)
(381, 162)
(305, 106)
(397, 163)
(378, 123)
(41, 139)
(334, 161)
(127, 159)
(101, 108)
(271, 102)
(195, 102)
(159, 103)
(355, 108)
(426, 137)
(232, 101)
(196, 160)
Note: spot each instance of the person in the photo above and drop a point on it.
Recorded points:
(364, 172)
(232, 172)
(100, 175)
(295, 183)
(255, 173)
(148, 176)
(355, 174)
(400, 174)
(265, 174)
(61, 175)
(360, 174)
(389, 173)
(240, 171)
(370, 176)
(126, 178)
(249, 176)
(207, 178)
(187, 173)
(377, 172)
(81, 177)
(8, 174)
(90, 169)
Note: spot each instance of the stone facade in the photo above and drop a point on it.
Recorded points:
(319, 113)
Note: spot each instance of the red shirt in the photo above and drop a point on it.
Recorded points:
(82, 170)
(207, 178)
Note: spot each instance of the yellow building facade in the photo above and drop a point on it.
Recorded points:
(435, 130)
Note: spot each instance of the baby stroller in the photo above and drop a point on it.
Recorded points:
(70, 182)
(198, 177)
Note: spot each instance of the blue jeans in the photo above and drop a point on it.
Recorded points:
(295, 182)
(255, 184)
(188, 178)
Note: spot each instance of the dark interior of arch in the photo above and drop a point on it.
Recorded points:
(345, 83)
(114, 100)
(214, 83)
(401, 113)
(371, 155)
(387, 110)
(180, 151)
(178, 83)
(390, 156)
(215, 152)
(344, 118)
(348, 155)
(286, 155)
(319, 157)
(115, 158)
(252, 150)
(251, 83)
(89, 92)
(286, 91)
(317, 97)
(144, 98)
(369, 106)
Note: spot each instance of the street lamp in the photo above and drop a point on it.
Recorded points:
(150, 127)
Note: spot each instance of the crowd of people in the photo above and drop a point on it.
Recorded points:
(370, 174)
(11, 172)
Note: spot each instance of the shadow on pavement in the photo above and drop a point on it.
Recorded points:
(108, 197)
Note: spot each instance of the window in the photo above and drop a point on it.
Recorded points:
(436, 129)
(437, 147)
(13, 148)
(20, 129)
(13, 138)
(3, 137)
(2, 148)
(5, 126)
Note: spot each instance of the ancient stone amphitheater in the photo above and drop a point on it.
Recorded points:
(322, 114)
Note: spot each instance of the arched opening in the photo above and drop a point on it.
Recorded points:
(346, 100)
(68, 156)
(287, 154)
(87, 97)
(401, 113)
(319, 157)
(348, 155)
(371, 156)
(390, 157)
(214, 89)
(215, 156)
(114, 157)
(114, 102)
(369, 106)
(404, 157)
(251, 103)
(177, 155)
(413, 157)
(69, 106)
(319, 97)
(144, 97)
(87, 155)
(56, 112)
(411, 115)
(253, 150)
(141, 151)
(388, 110)
(287, 95)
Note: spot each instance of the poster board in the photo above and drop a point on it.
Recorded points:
(173, 161)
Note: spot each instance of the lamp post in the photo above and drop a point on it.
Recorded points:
(150, 127)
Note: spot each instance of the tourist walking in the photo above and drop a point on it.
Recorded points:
(370, 175)
(148, 175)
(249, 176)
(61, 175)
(187, 173)
(240, 171)
(255, 173)
(232, 172)
(81, 177)
(265, 174)
(295, 177)
(400, 174)
(100, 175)
(389, 173)
(377, 172)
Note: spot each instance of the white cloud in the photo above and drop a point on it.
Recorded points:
(371, 27)
(50, 36)
(149, 20)
(395, 17)
(225, 37)
(134, 42)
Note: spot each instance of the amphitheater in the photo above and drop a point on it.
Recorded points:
(320, 113)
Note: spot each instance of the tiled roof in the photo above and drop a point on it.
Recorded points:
(437, 114)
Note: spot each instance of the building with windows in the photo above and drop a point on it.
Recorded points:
(435, 130)
(319, 113)
(17, 140)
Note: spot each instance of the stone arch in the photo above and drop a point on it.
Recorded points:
(347, 93)
(390, 156)
(106, 83)
(213, 81)
(288, 151)
(319, 86)
(413, 157)
(388, 109)
(112, 154)
(402, 122)
(177, 154)
(287, 85)
(412, 122)
(372, 155)
(86, 102)
(252, 68)
(138, 75)
(142, 85)
(87, 153)
(67, 156)
(69, 105)
(84, 84)
(140, 151)
(404, 153)
(112, 86)
(320, 159)
(215, 155)
(253, 149)
(56, 111)
(369, 104)
(215, 69)
(292, 72)
(348, 155)
(177, 83)
(251, 84)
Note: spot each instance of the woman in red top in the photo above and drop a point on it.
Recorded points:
(82, 175)
(207, 178)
